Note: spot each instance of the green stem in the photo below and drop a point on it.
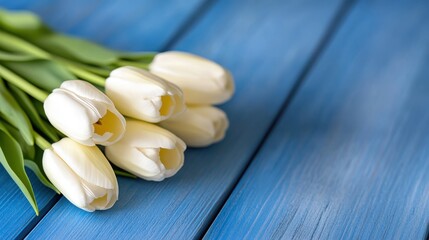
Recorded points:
(124, 174)
(41, 142)
(123, 63)
(93, 69)
(21, 83)
(89, 76)
(15, 43)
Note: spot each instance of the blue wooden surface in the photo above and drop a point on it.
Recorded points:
(349, 158)
(113, 23)
(346, 159)
(235, 35)
(17, 214)
(69, 16)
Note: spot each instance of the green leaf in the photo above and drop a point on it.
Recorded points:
(146, 57)
(14, 115)
(21, 22)
(32, 113)
(136, 64)
(76, 49)
(12, 43)
(102, 71)
(15, 57)
(12, 160)
(27, 150)
(44, 74)
(39, 108)
(140, 60)
(120, 172)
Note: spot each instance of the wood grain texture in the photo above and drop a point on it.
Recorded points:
(16, 213)
(266, 51)
(112, 23)
(349, 159)
(94, 21)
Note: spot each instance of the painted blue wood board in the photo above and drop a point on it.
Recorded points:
(69, 16)
(266, 45)
(112, 23)
(349, 158)
(15, 211)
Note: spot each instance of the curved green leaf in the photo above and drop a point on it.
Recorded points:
(21, 22)
(145, 57)
(14, 115)
(119, 171)
(15, 57)
(103, 71)
(140, 60)
(16, 44)
(27, 150)
(12, 160)
(32, 113)
(123, 173)
(76, 49)
(44, 74)
(39, 108)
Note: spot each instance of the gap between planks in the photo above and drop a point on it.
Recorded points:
(335, 24)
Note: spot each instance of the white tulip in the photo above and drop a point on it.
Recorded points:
(199, 126)
(148, 151)
(139, 94)
(82, 174)
(202, 81)
(83, 113)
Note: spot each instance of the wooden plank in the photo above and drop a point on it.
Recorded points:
(70, 17)
(349, 158)
(16, 212)
(113, 23)
(266, 51)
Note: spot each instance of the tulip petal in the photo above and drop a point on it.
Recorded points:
(142, 95)
(199, 126)
(109, 128)
(138, 81)
(135, 161)
(112, 197)
(142, 162)
(78, 172)
(218, 118)
(86, 90)
(63, 177)
(87, 162)
(140, 133)
(98, 197)
(172, 159)
(202, 81)
(148, 151)
(84, 113)
(179, 100)
(69, 116)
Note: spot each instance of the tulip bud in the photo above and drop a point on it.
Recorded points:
(202, 81)
(82, 174)
(139, 94)
(83, 113)
(148, 151)
(198, 126)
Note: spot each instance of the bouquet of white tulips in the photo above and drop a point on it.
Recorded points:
(143, 108)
